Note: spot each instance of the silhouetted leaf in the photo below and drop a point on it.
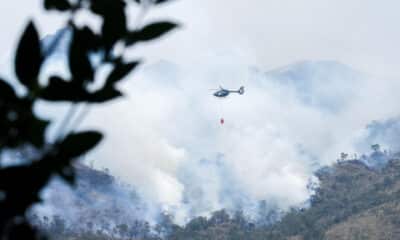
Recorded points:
(6, 90)
(19, 125)
(61, 5)
(160, 1)
(155, 2)
(36, 134)
(150, 32)
(102, 7)
(114, 20)
(80, 66)
(28, 58)
(76, 144)
(61, 90)
(91, 40)
(120, 71)
(106, 94)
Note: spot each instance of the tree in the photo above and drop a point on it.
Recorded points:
(343, 156)
(21, 128)
(376, 147)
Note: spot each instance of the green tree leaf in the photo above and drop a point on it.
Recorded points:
(28, 58)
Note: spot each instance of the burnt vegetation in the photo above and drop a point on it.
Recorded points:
(22, 130)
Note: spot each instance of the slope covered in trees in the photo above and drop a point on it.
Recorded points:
(353, 201)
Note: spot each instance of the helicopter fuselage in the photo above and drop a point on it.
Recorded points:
(222, 93)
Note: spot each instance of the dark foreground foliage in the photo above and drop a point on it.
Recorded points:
(21, 129)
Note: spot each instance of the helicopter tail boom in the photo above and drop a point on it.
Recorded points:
(240, 91)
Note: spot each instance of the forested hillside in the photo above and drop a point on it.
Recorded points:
(353, 201)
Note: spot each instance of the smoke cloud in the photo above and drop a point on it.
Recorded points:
(165, 139)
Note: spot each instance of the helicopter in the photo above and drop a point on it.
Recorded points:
(221, 93)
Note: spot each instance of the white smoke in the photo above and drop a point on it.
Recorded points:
(165, 137)
(385, 133)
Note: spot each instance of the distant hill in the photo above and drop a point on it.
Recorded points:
(326, 85)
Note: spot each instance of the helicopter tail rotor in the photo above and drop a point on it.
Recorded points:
(241, 90)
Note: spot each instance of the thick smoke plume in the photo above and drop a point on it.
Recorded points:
(165, 138)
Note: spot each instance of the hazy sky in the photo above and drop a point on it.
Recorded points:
(265, 33)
